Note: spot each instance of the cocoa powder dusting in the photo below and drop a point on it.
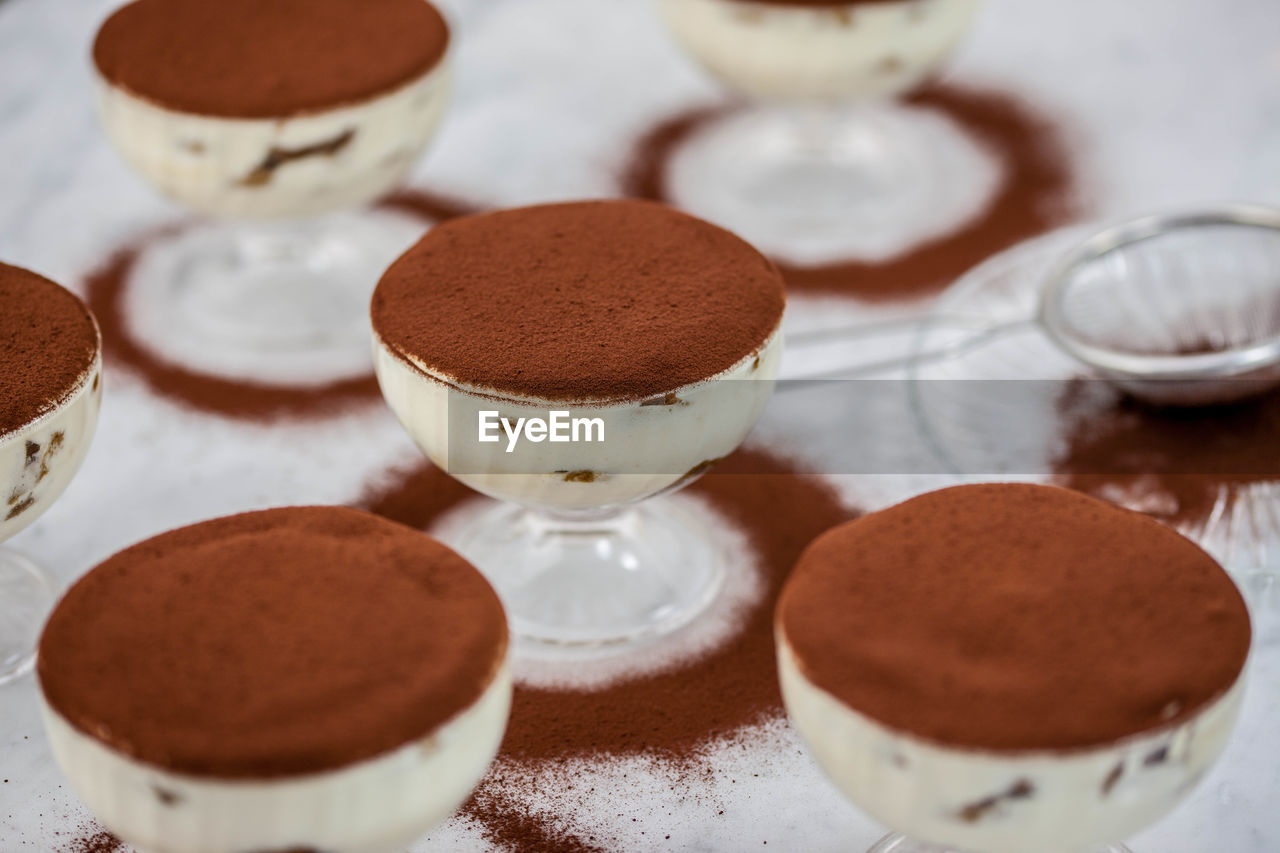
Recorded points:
(48, 341)
(1178, 463)
(95, 839)
(267, 58)
(1037, 191)
(509, 824)
(1015, 617)
(595, 300)
(670, 715)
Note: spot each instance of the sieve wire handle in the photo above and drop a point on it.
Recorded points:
(981, 331)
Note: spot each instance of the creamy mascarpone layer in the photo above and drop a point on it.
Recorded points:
(38, 461)
(650, 446)
(299, 165)
(377, 806)
(825, 52)
(1053, 802)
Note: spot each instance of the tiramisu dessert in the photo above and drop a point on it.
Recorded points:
(823, 49)
(261, 108)
(1002, 668)
(270, 109)
(50, 390)
(578, 358)
(305, 678)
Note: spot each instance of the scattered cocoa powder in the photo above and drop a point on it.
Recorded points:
(1038, 191)
(48, 342)
(95, 839)
(673, 714)
(267, 58)
(1179, 461)
(508, 823)
(1015, 617)
(595, 300)
(194, 650)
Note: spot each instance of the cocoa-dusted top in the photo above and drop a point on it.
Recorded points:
(267, 58)
(1014, 617)
(585, 301)
(48, 341)
(272, 643)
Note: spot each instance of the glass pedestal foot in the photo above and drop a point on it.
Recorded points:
(281, 303)
(595, 579)
(26, 597)
(820, 183)
(896, 843)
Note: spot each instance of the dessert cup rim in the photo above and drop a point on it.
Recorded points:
(65, 400)
(441, 66)
(500, 677)
(774, 338)
(1222, 697)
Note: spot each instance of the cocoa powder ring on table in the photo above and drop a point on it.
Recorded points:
(106, 292)
(1039, 190)
(670, 716)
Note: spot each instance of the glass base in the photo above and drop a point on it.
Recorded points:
(271, 302)
(818, 183)
(26, 597)
(895, 843)
(595, 580)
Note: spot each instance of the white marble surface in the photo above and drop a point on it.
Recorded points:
(1167, 101)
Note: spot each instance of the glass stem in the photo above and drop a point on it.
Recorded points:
(593, 521)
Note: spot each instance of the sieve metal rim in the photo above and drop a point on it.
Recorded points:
(1221, 364)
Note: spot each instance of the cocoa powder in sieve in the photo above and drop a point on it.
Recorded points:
(1038, 191)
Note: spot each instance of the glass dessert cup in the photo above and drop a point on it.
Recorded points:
(226, 738)
(1007, 667)
(284, 271)
(37, 463)
(825, 152)
(946, 799)
(578, 555)
(380, 805)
